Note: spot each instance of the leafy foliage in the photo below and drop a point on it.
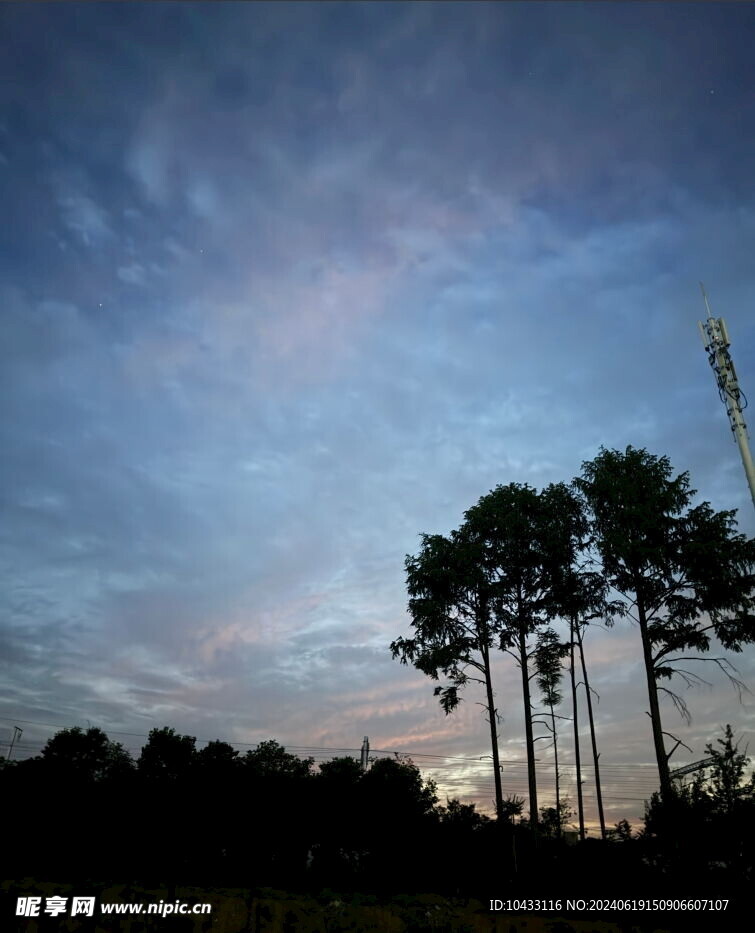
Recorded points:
(86, 756)
(727, 788)
(554, 820)
(453, 632)
(166, 754)
(448, 606)
(549, 652)
(689, 576)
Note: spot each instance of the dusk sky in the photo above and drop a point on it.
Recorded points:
(285, 285)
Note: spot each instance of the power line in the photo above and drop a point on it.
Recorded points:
(512, 763)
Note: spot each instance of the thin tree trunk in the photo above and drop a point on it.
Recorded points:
(580, 805)
(493, 734)
(595, 754)
(531, 775)
(558, 787)
(655, 710)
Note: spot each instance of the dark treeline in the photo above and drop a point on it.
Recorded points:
(84, 810)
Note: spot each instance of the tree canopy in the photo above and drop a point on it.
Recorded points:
(689, 577)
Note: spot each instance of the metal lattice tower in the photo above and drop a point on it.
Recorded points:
(716, 342)
(695, 766)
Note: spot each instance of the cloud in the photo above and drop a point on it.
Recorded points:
(134, 274)
(85, 218)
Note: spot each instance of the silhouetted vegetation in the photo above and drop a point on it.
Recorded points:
(84, 810)
(689, 578)
(525, 574)
(525, 560)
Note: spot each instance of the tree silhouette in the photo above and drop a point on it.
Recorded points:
(522, 544)
(689, 576)
(216, 755)
(167, 756)
(706, 828)
(453, 633)
(553, 820)
(578, 595)
(726, 785)
(549, 652)
(270, 759)
(621, 832)
(337, 836)
(86, 756)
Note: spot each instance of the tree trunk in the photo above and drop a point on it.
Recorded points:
(558, 786)
(580, 805)
(595, 755)
(655, 710)
(493, 733)
(531, 775)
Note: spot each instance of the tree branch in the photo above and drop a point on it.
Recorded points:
(664, 651)
(678, 743)
(722, 663)
(679, 703)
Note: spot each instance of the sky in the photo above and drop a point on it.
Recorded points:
(285, 285)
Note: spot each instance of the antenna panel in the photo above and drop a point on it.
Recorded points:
(724, 331)
(703, 335)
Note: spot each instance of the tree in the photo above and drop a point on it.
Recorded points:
(337, 795)
(554, 820)
(522, 543)
(726, 785)
(450, 609)
(579, 631)
(341, 772)
(578, 595)
(398, 817)
(215, 776)
(396, 790)
(513, 806)
(270, 759)
(582, 600)
(705, 828)
(216, 755)
(461, 817)
(88, 756)
(621, 832)
(167, 755)
(689, 576)
(548, 655)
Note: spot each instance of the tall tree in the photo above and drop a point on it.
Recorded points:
(575, 723)
(516, 529)
(449, 606)
(579, 595)
(549, 652)
(583, 598)
(687, 575)
(579, 631)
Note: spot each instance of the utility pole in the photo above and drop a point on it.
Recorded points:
(365, 753)
(716, 342)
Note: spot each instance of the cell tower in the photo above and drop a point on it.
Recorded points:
(716, 342)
